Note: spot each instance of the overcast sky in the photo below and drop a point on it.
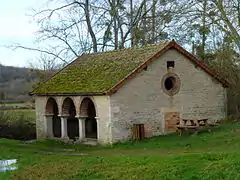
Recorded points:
(16, 27)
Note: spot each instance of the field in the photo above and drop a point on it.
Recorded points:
(15, 104)
(214, 155)
(19, 105)
(16, 111)
(16, 114)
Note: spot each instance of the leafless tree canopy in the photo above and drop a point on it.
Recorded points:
(68, 28)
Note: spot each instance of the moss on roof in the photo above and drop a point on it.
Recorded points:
(97, 72)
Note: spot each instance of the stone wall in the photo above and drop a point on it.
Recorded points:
(102, 112)
(40, 103)
(141, 99)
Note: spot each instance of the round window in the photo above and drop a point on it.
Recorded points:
(171, 84)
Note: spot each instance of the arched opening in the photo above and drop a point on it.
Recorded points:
(69, 110)
(87, 109)
(52, 112)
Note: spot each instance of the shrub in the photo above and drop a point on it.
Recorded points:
(15, 125)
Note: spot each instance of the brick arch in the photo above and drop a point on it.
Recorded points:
(68, 107)
(51, 107)
(87, 108)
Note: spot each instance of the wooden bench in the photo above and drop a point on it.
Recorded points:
(181, 128)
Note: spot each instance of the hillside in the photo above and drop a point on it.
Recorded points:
(204, 156)
(16, 82)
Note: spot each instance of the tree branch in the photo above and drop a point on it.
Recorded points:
(38, 50)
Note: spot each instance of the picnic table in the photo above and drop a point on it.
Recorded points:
(193, 123)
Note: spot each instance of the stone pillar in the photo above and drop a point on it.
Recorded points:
(81, 128)
(49, 126)
(64, 127)
(98, 127)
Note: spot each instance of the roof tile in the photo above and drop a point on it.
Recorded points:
(97, 72)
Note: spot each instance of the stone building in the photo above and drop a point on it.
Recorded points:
(103, 95)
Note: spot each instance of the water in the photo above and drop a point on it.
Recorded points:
(8, 165)
(30, 141)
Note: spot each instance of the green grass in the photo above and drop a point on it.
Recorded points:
(13, 115)
(24, 112)
(15, 104)
(214, 155)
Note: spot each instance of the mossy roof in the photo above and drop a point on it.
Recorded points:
(97, 72)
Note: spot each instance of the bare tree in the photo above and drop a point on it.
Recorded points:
(44, 68)
(68, 28)
(225, 15)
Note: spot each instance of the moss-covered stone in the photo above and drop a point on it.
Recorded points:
(97, 72)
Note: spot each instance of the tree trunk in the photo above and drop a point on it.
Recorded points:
(115, 23)
(204, 30)
(90, 29)
(131, 24)
(144, 23)
(153, 21)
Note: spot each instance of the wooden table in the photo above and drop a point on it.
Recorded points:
(192, 123)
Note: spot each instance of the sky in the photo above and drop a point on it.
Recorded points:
(17, 27)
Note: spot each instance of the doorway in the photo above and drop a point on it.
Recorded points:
(88, 110)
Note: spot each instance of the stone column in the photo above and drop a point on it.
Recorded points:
(98, 127)
(64, 127)
(81, 128)
(49, 126)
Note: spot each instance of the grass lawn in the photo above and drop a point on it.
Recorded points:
(204, 156)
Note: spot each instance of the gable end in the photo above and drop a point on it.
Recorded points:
(171, 45)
